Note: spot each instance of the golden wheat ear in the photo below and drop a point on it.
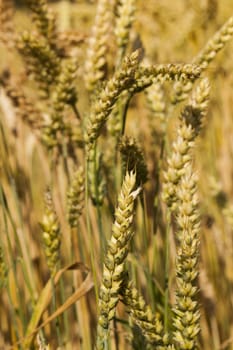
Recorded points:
(96, 61)
(186, 311)
(124, 20)
(7, 34)
(45, 20)
(191, 120)
(114, 262)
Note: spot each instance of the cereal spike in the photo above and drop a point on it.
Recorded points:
(142, 314)
(96, 54)
(125, 18)
(7, 35)
(146, 75)
(75, 197)
(186, 310)
(42, 61)
(51, 234)
(215, 44)
(191, 120)
(116, 254)
(44, 19)
(122, 80)
(204, 58)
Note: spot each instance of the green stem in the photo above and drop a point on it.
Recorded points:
(54, 306)
(65, 317)
(13, 314)
(167, 263)
(88, 222)
(124, 113)
(146, 245)
(65, 160)
(76, 111)
(99, 219)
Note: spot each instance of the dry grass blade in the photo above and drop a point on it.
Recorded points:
(46, 296)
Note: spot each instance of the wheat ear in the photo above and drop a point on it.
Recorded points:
(64, 95)
(125, 18)
(51, 234)
(186, 310)
(44, 20)
(101, 109)
(114, 262)
(204, 58)
(75, 197)
(141, 314)
(42, 61)
(191, 120)
(98, 44)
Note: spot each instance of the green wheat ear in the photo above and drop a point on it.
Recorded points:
(64, 94)
(114, 262)
(142, 315)
(51, 234)
(145, 76)
(75, 197)
(96, 179)
(101, 109)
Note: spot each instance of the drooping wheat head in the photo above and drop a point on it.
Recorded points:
(204, 58)
(191, 120)
(122, 80)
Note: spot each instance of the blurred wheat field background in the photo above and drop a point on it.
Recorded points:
(116, 174)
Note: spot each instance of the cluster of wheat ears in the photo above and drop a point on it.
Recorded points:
(101, 220)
